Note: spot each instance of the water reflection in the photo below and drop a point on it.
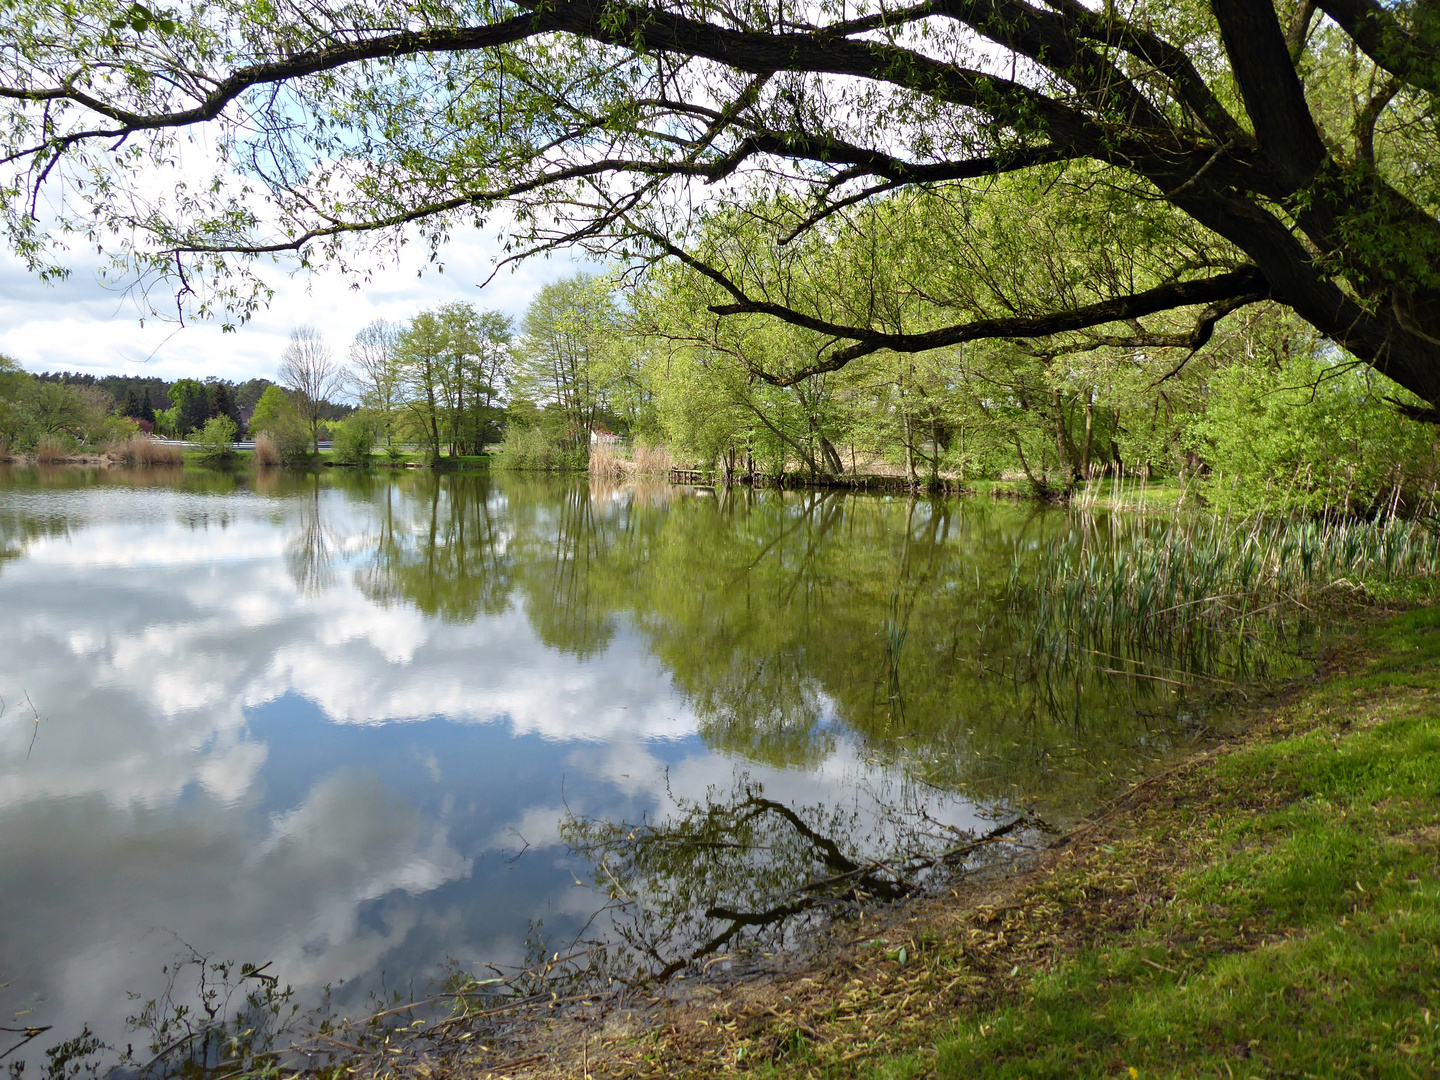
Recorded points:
(349, 724)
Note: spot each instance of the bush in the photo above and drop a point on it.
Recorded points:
(115, 431)
(1309, 435)
(530, 449)
(217, 439)
(354, 440)
(292, 441)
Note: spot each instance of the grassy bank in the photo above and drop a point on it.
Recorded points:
(1269, 908)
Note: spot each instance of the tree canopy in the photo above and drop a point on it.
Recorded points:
(1236, 151)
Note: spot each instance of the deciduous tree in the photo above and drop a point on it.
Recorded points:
(309, 371)
(1296, 138)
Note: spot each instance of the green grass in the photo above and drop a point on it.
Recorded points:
(1272, 910)
(1305, 937)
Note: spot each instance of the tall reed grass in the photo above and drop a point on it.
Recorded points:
(647, 460)
(607, 464)
(267, 451)
(141, 451)
(52, 449)
(1179, 586)
(611, 462)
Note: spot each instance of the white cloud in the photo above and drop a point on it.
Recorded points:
(154, 797)
(81, 325)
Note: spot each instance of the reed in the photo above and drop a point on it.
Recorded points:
(646, 460)
(606, 463)
(1183, 587)
(267, 451)
(141, 451)
(52, 449)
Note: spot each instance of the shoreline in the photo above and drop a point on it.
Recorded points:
(1153, 495)
(1262, 869)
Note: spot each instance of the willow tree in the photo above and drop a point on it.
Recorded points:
(188, 141)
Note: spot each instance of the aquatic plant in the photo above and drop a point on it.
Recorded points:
(267, 451)
(1185, 586)
(53, 448)
(141, 451)
(605, 462)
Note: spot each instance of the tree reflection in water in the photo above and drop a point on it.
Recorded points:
(742, 872)
(790, 621)
(794, 624)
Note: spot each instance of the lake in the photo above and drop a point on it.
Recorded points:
(360, 727)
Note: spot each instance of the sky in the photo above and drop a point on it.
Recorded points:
(82, 325)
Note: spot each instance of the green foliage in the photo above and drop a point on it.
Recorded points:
(451, 362)
(1311, 432)
(1195, 589)
(190, 400)
(276, 416)
(536, 449)
(62, 416)
(165, 423)
(272, 410)
(571, 353)
(216, 439)
(354, 438)
(115, 429)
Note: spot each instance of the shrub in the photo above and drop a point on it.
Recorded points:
(1310, 435)
(217, 439)
(285, 444)
(114, 432)
(354, 439)
(531, 449)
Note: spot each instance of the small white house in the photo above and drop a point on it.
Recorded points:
(600, 435)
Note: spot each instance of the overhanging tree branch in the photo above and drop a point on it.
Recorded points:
(1225, 292)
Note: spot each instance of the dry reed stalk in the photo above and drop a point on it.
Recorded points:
(141, 451)
(650, 460)
(158, 453)
(604, 462)
(51, 450)
(267, 453)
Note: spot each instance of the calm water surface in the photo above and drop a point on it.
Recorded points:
(353, 726)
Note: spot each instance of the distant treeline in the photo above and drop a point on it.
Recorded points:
(157, 391)
(58, 412)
